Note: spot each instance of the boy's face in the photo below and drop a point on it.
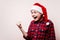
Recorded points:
(36, 15)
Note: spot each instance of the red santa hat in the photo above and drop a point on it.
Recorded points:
(40, 8)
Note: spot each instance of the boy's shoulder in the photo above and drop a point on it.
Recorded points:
(32, 21)
(49, 22)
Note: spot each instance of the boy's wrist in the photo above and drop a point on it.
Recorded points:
(21, 28)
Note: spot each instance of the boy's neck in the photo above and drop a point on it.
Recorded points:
(40, 20)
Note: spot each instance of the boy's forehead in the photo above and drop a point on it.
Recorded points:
(34, 10)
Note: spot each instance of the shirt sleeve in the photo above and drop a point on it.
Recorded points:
(51, 31)
(29, 33)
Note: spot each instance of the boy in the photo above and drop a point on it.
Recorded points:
(40, 28)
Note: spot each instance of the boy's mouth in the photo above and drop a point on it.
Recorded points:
(35, 17)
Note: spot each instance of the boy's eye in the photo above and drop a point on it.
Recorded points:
(35, 12)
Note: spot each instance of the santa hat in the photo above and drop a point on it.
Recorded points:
(40, 8)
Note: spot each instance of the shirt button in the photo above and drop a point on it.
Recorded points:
(42, 30)
(36, 30)
(37, 24)
(35, 36)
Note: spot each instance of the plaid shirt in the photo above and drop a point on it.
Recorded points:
(41, 31)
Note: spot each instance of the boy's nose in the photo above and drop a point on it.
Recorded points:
(33, 14)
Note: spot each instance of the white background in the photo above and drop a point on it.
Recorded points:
(12, 11)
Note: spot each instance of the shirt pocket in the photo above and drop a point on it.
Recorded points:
(42, 28)
(32, 29)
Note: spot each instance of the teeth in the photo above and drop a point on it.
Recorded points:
(35, 17)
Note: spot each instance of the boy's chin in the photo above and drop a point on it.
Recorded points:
(35, 20)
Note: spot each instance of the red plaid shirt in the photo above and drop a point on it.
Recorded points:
(41, 31)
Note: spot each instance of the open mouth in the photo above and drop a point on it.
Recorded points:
(35, 17)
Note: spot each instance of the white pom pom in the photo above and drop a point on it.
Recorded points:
(47, 23)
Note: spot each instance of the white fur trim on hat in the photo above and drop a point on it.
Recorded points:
(37, 8)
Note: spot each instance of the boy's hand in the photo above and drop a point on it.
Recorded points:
(21, 29)
(19, 25)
